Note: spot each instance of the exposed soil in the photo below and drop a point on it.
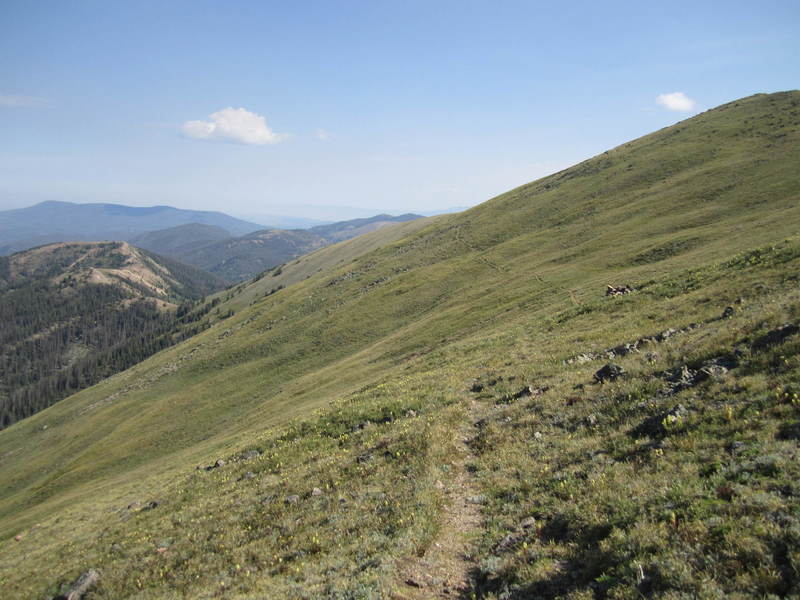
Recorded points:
(443, 571)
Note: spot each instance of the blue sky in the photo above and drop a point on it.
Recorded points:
(404, 106)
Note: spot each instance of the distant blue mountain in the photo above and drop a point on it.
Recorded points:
(52, 221)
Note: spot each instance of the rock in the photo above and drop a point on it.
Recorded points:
(528, 523)
(150, 505)
(413, 582)
(250, 454)
(248, 475)
(219, 463)
(681, 378)
(728, 312)
(619, 290)
(479, 499)
(666, 334)
(507, 542)
(411, 413)
(134, 506)
(591, 420)
(582, 358)
(710, 371)
(523, 393)
(537, 435)
(652, 357)
(81, 586)
(438, 485)
(316, 492)
(293, 499)
(622, 349)
(776, 336)
(609, 372)
(659, 425)
(18, 537)
(476, 387)
(736, 447)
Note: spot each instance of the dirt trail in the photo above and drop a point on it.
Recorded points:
(443, 571)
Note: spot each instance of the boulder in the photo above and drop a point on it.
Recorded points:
(81, 586)
(609, 372)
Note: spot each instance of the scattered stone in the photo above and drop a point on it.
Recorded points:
(134, 506)
(219, 463)
(250, 454)
(609, 372)
(619, 290)
(479, 499)
(681, 378)
(728, 312)
(537, 435)
(591, 420)
(19, 537)
(582, 358)
(316, 492)
(666, 334)
(710, 370)
(81, 586)
(528, 523)
(507, 543)
(523, 393)
(776, 336)
(736, 447)
(411, 413)
(293, 499)
(658, 425)
(622, 349)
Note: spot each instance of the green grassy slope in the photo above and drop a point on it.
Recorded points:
(356, 381)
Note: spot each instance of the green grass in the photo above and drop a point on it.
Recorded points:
(320, 377)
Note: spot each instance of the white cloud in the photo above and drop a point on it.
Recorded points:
(22, 102)
(323, 135)
(233, 125)
(676, 101)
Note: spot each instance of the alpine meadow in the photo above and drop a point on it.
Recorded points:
(584, 388)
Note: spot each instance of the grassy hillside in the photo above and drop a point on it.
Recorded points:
(73, 313)
(423, 420)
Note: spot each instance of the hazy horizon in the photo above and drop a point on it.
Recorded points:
(259, 108)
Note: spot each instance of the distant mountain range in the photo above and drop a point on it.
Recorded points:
(50, 222)
(237, 258)
(228, 247)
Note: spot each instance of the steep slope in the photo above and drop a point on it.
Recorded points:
(340, 405)
(73, 313)
(49, 222)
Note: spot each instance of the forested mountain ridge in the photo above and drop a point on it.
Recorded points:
(464, 410)
(237, 258)
(73, 313)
